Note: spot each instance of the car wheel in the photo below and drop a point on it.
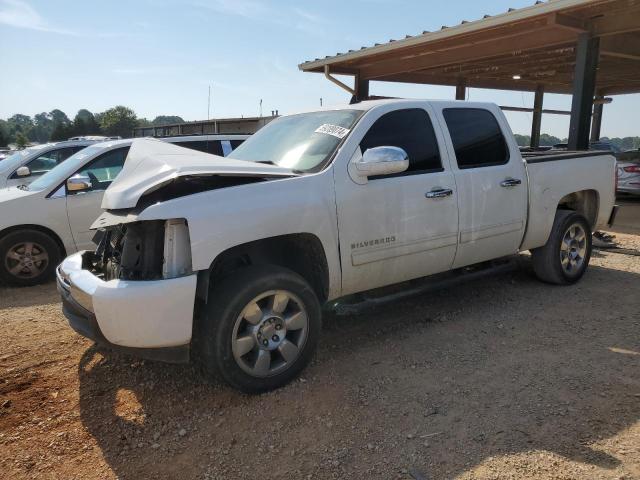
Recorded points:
(565, 257)
(261, 328)
(28, 257)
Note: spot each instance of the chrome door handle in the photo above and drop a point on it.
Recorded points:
(510, 182)
(439, 193)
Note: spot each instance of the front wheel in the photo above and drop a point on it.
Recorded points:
(261, 328)
(565, 257)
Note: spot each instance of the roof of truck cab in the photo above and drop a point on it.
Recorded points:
(370, 104)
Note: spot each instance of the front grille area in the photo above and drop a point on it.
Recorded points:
(133, 251)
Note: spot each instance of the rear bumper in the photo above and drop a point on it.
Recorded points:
(150, 319)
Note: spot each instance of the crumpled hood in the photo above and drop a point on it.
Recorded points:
(153, 163)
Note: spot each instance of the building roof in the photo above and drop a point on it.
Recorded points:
(517, 50)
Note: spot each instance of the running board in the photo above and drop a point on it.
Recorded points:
(360, 302)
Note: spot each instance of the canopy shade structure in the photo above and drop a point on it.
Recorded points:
(524, 49)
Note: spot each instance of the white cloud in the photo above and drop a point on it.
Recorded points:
(19, 14)
(240, 8)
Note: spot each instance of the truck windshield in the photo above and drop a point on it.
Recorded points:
(303, 142)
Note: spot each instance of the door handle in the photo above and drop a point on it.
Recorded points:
(439, 193)
(511, 182)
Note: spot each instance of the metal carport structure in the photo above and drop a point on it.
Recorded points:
(587, 48)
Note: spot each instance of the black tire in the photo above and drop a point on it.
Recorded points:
(227, 302)
(41, 243)
(547, 262)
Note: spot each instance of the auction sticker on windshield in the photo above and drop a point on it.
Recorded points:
(334, 130)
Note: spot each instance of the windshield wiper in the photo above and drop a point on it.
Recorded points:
(23, 187)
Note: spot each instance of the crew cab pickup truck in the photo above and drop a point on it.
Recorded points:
(228, 261)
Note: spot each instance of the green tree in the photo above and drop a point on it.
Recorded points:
(19, 124)
(4, 134)
(85, 123)
(166, 120)
(61, 131)
(522, 140)
(62, 127)
(119, 121)
(58, 116)
(21, 140)
(549, 140)
(42, 128)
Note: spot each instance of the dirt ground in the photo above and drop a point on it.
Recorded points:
(499, 378)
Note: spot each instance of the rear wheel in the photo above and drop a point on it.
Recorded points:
(565, 257)
(262, 328)
(27, 257)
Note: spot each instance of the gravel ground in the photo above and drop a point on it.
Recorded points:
(499, 378)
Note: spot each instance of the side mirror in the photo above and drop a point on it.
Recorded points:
(23, 172)
(78, 183)
(382, 161)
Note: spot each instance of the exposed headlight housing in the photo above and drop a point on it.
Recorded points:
(177, 249)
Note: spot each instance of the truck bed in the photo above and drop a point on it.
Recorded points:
(555, 174)
(555, 155)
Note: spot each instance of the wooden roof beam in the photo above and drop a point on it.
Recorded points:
(623, 22)
(625, 46)
(529, 40)
(574, 24)
(496, 84)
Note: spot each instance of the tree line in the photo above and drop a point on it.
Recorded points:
(21, 130)
(624, 144)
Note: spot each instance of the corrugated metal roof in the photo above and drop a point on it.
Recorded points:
(488, 21)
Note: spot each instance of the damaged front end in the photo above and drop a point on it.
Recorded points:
(141, 251)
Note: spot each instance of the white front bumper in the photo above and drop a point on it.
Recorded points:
(137, 314)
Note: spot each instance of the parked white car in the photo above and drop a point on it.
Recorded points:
(50, 218)
(313, 207)
(24, 166)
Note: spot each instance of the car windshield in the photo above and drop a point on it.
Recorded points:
(59, 173)
(303, 142)
(16, 160)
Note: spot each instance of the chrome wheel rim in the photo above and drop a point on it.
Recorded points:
(270, 333)
(26, 260)
(573, 249)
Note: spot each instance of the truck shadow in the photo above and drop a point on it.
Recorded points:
(21, 297)
(438, 383)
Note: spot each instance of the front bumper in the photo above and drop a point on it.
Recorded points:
(151, 319)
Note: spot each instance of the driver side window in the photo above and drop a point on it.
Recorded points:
(104, 169)
(412, 130)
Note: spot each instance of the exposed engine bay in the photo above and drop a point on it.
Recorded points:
(133, 251)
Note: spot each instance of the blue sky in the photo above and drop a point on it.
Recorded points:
(159, 56)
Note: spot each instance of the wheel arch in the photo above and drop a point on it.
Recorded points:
(47, 231)
(584, 202)
(302, 253)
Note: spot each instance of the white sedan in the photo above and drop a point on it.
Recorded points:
(42, 222)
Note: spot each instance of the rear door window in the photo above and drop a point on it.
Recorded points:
(477, 137)
(45, 162)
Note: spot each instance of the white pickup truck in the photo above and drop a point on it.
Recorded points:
(228, 261)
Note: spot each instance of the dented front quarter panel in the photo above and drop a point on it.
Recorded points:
(224, 218)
